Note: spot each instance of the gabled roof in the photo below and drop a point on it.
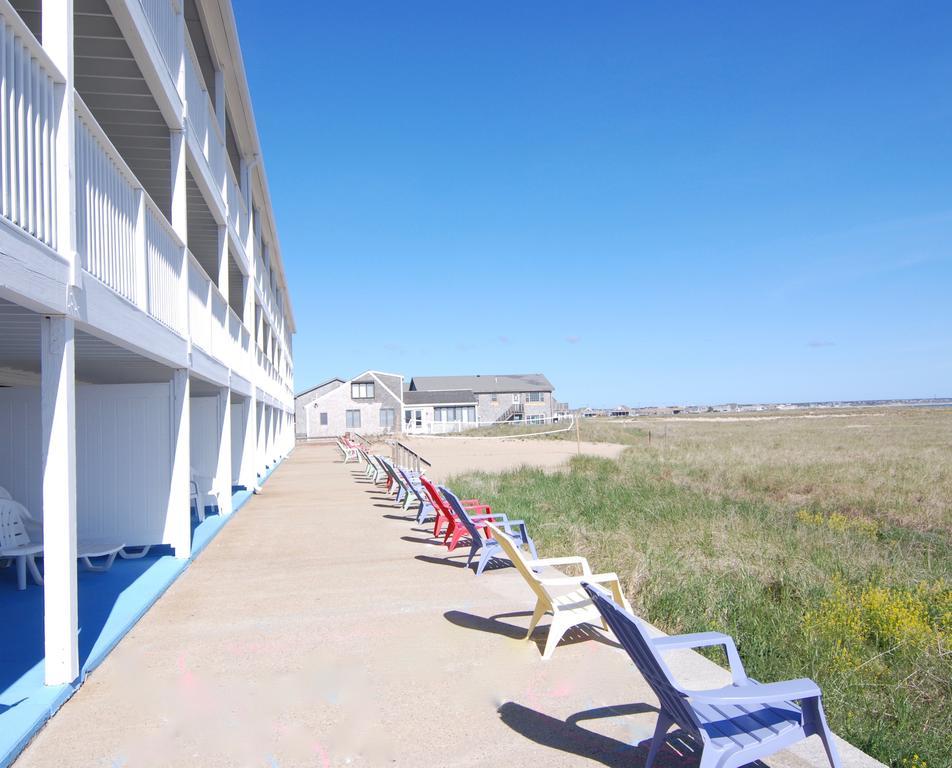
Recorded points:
(439, 397)
(479, 384)
(318, 386)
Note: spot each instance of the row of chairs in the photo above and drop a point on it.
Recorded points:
(734, 725)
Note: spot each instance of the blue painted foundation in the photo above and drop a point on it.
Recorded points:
(110, 604)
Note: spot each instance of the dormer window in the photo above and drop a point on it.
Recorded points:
(362, 390)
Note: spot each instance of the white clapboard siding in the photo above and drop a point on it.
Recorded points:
(205, 429)
(123, 457)
(106, 210)
(20, 449)
(27, 115)
(237, 438)
(162, 21)
(165, 259)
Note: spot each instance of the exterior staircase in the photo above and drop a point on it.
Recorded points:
(516, 409)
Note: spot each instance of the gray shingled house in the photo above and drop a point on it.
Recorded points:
(481, 399)
(369, 404)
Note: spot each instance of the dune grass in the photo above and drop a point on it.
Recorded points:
(823, 545)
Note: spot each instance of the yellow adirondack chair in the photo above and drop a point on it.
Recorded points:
(569, 608)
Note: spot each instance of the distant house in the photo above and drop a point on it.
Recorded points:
(448, 410)
(369, 404)
(482, 399)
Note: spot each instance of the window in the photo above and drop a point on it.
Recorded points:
(353, 419)
(494, 397)
(535, 418)
(534, 397)
(323, 419)
(459, 413)
(362, 390)
(386, 418)
(515, 397)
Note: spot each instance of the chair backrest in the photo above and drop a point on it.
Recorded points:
(514, 553)
(457, 506)
(436, 499)
(12, 531)
(413, 486)
(632, 633)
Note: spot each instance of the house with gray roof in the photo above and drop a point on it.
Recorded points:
(368, 404)
(378, 403)
(490, 398)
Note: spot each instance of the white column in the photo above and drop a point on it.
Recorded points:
(57, 33)
(249, 448)
(178, 521)
(223, 473)
(58, 418)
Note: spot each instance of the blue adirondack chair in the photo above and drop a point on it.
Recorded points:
(398, 485)
(735, 725)
(416, 495)
(516, 529)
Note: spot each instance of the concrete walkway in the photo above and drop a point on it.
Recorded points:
(321, 628)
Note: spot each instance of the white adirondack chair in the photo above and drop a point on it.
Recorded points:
(562, 596)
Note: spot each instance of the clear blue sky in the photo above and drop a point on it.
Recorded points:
(650, 202)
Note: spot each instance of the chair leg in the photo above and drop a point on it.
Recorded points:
(826, 736)
(537, 615)
(557, 628)
(21, 572)
(484, 558)
(454, 540)
(660, 732)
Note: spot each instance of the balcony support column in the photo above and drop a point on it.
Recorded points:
(178, 521)
(224, 470)
(58, 420)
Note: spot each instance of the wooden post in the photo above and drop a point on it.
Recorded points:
(578, 438)
(178, 520)
(58, 419)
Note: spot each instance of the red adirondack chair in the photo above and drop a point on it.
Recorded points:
(445, 515)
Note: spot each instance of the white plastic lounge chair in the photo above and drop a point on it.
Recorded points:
(16, 544)
(562, 596)
(202, 489)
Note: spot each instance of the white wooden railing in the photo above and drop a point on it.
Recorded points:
(106, 208)
(161, 15)
(199, 296)
(201, 117)
(165, 258)
(237, 210)
(27, 143)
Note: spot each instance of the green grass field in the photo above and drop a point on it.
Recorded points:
(822, 544)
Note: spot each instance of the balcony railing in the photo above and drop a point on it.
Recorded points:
(165, 260)
(122, 237)
(27, 144)
(202, 120)
(237, 210)
(106, 208)
(161, 15)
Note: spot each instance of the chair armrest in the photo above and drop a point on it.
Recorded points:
(703, 640)
(497, 517)
(586, 568)
(789, 690)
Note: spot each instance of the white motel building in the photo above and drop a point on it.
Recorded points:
(145, 322)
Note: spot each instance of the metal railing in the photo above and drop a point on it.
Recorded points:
(407, 458)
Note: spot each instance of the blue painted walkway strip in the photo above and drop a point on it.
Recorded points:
(110, 604)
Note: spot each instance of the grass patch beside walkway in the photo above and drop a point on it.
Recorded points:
(846, 595)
